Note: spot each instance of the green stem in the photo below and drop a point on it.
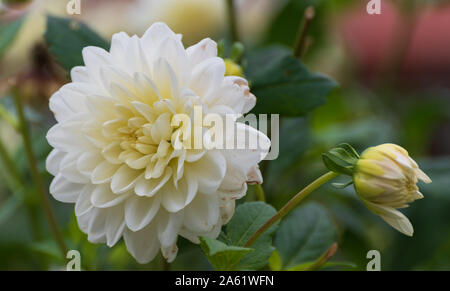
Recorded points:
(324, 258)
(10, 167)
(8, 117)
(291, 204)
(302, 35)
(232, 19)
(36, 176)
(260, 193)
(17, 186)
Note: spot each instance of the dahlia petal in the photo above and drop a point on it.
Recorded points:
(135, 56)
(80, 74)
(70, 100)
(235, 93)
(87, 162)
(144, 244)
(111, 152)
(209, 171)
(169, 252)
(201, 51)
(165, 79)
(146, 89)
(226, 210)
(392, 216)
(53, 161)
(149, 187)
(188, 185)
(115, 225)
(96, 226)
(174, 199)
(139, 211)
(207, 77)
(254, 176)
(102, 197)
(201, 215)
(155, 34)
(189, 235)
(119, 44)
(139, 162)
(94, 59)
(60, 109)
(65, 191)
(194, 155)
(173, 51)
(124, 179)
(103, 172)
(68, 137)
(422, 176)
(161, 129)
(83, 204)
(70, 171)
(169, 224)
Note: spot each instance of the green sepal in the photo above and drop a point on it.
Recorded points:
(342, 185)
(221, 48)
(341, 159)
(237, 51)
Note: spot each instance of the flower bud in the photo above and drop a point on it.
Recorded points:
(232, 69)
(385, 179)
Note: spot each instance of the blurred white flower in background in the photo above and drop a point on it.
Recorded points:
(114, 147)
(195, 19)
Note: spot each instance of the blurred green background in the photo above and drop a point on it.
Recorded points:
(394, 75)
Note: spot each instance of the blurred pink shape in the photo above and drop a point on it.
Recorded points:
(421, 44)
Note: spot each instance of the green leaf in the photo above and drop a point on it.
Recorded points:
(66, 39)
(222, 256)
(10, 206)
(304, 235)
(285, 86)
(8, 33)
(340, 265)
(275, 262)
(248, 218)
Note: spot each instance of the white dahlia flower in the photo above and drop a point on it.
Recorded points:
(114, 143)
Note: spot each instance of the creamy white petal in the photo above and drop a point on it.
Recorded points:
(80, 74)
(144, 244)
(201, 51)
(96, 230)
(83, 203)
(210, 171)
(124, 179)
(65, 191)
(53, 161)
(175, 199)
(393, 217)
(207, 77)
(201, 215)
(149, 187)
(104, 172)
(139, 211)
(102, 197)
(115, 225)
